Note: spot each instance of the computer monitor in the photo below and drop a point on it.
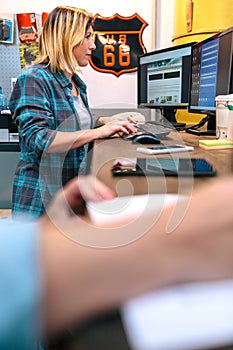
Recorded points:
(163, 79)
(211, 75)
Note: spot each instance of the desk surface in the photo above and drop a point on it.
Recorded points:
(106, 151)
(9, 147)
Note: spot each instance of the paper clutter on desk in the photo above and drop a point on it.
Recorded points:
(215, 144)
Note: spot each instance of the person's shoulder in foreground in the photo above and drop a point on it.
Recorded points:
(20, 286)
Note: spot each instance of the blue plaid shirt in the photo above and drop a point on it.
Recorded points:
(42, 103)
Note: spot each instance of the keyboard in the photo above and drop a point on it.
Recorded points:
(154, 129)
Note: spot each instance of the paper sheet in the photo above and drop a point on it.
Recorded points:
(129, 207)
(191, 316)
(127, 218)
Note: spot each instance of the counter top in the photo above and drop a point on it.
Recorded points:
(9, 147)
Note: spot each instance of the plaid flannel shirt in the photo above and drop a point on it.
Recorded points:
(42, 103)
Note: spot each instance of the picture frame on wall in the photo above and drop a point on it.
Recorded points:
(6, 28)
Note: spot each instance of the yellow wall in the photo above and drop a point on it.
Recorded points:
(206, 17)
(195, 20)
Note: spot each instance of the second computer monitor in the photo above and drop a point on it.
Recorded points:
(211, 71)
(163, 78)
(211, 75)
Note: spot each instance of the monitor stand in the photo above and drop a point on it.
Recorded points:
(211, 127)
(170, 115)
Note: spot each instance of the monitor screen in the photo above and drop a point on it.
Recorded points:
(211, 72)
(163, 77)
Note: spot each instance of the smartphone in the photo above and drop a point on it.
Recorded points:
(165, 149)
(166, 167)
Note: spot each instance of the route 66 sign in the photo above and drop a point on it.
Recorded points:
(118, 43)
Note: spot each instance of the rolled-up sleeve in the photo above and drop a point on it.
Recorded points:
(32, 108)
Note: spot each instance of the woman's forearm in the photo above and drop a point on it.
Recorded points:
(64, 141)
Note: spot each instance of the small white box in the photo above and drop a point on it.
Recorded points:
(4, 135)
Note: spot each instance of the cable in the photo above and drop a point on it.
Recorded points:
(200, 124)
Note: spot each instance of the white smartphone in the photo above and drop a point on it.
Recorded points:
(165, 149)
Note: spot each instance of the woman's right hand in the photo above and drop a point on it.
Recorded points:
(113, 127)
(64, 141)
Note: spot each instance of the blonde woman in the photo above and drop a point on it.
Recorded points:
(49, 104)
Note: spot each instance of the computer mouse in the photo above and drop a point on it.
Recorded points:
(145, 139)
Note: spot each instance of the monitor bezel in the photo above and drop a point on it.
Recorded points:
(172, 106)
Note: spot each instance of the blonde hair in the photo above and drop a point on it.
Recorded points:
(64, 28)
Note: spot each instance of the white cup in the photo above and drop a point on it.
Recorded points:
(222, 114)
(230, 126)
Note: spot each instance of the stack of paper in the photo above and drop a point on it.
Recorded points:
(216, 144)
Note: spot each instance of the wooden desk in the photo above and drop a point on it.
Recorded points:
(5, 213)
(106, 151)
